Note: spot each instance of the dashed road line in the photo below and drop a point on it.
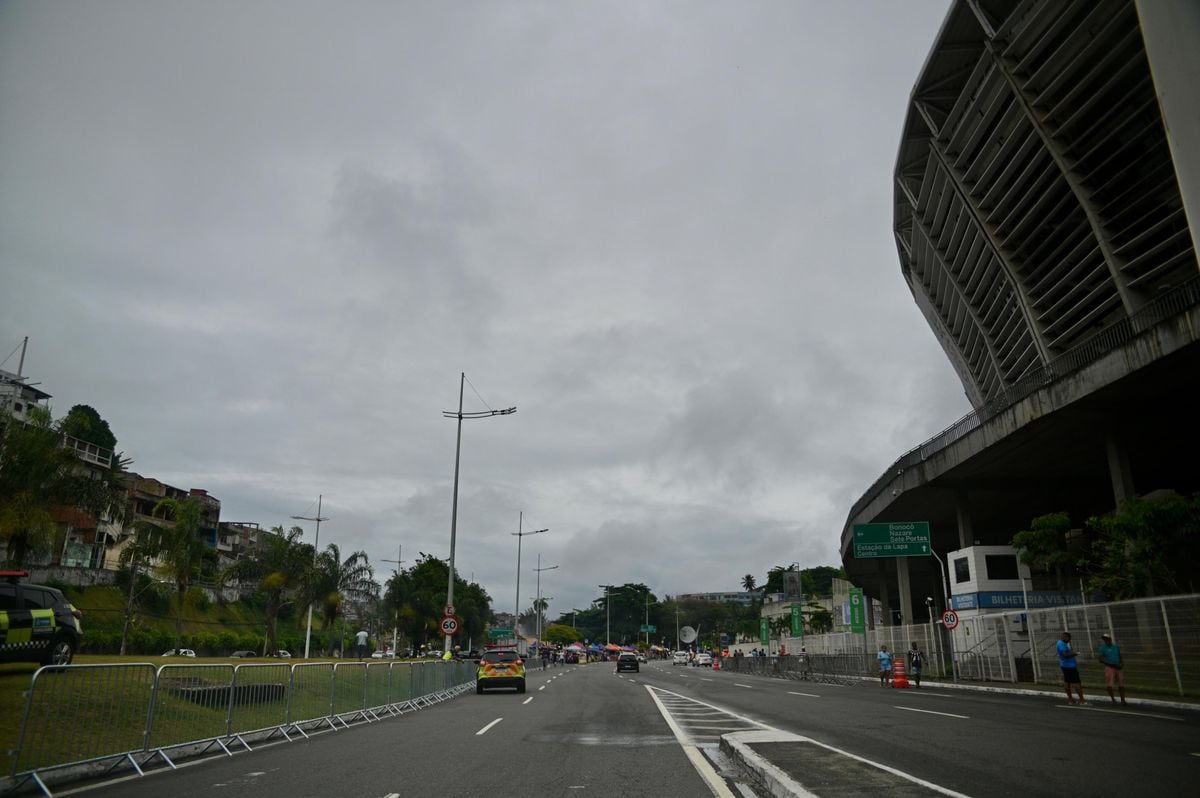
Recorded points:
(806, 695)
(484, 730)
(1089, 708)
(527, 700)
(931, 712)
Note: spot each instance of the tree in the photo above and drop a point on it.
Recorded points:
(558, 633)
(278, 563)
(180, 549)
(1148, 547)
(1044, 545)
(820, 620)
(84, 423)
(749, 582)
(334, 580)
(34, 471)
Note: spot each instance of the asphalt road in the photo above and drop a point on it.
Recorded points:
(583, 730)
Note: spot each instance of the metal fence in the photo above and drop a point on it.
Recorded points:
(137, 715)
(1159, 640)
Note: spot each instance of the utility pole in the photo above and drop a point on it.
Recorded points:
(538, 606)
(316, 550)
(395, 621)
(460, 415)
(520, 534)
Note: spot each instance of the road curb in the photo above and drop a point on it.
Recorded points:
(778, 784)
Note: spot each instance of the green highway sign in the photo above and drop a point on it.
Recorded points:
(858, 617)
(498, 633)
(648, 627)
(899, 539)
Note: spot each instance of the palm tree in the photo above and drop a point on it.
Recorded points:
(278, 563)
(180, 549)
(334, 581)
(749, 582)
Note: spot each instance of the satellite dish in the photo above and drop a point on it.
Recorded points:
(687, 634)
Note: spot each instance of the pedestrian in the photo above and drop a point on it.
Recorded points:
(885, 666)
(916, 661)
(1070, 667)
(1110, 657)
(360, 642)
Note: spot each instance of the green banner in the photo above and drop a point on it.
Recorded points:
(764, 632)
(858, 616)
(797, 621)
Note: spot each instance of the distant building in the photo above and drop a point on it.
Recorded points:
(745, 598)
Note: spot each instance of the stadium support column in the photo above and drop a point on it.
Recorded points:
(962, 511)
(905, 588)
(1119, 469)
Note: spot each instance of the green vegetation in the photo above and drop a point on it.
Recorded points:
(1147, 547)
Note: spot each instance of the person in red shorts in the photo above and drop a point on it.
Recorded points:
(1114, 673)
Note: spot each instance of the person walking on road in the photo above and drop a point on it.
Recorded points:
(916, 660)
(1110, 657)
(885, 666)
(360, 643)
(1070, 667)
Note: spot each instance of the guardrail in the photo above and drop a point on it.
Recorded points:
(826, 668)
(97, 718)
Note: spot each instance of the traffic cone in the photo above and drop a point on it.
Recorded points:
(717, 663)
(899, 677)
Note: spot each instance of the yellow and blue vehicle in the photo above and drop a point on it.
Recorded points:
(37, 623)
(500, 668)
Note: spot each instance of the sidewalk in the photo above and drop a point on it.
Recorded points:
(780, 763)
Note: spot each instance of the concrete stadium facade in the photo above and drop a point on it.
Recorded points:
(1047, 199)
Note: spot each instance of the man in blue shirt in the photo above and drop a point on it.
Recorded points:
(1110, 657)
(1070, 667)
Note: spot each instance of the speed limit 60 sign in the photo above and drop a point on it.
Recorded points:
(449, 625)
(950, 619)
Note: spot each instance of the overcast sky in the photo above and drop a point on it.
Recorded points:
(263, 240)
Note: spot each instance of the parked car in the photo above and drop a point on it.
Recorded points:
(641, 657)
(39, 624)
(243, 654)
(679, 658)
(383, 655)
(703, 660)
(180, 652)
(281, 654)
(503, 668)
(627, 661)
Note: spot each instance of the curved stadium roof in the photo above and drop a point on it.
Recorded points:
(1036, 201)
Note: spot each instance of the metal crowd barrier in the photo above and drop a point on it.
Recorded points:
(825, 668)
(94, 719)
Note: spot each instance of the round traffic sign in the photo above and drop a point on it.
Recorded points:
(449, 625)
(449, 610)
(950, 619)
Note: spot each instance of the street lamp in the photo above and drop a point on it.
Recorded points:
(316, 549)
(460, 415)
(520, 534)
(607, 616)
(537, 607)
(396, 613)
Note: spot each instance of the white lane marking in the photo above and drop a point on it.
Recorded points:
(1089, 708)
(543, 687)
(739, 684)
(705, 680)
(931, 712)
(807, 695)
(698, 760)
(484, 730)
(527, 700)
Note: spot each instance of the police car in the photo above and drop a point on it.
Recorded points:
(500, 668)
(37, 623)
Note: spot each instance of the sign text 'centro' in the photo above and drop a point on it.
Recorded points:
(898, 539)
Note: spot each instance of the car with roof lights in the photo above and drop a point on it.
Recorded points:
(37, 623)
(500, 668)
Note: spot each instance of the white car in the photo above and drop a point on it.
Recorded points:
(179, 652)
(703, 660)
(383, 655)
(680, 658)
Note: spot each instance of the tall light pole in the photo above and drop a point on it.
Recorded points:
(537, 607)
(316, 550)
(460, 415)
(395, 613)
(520, 534)
(607, 616)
